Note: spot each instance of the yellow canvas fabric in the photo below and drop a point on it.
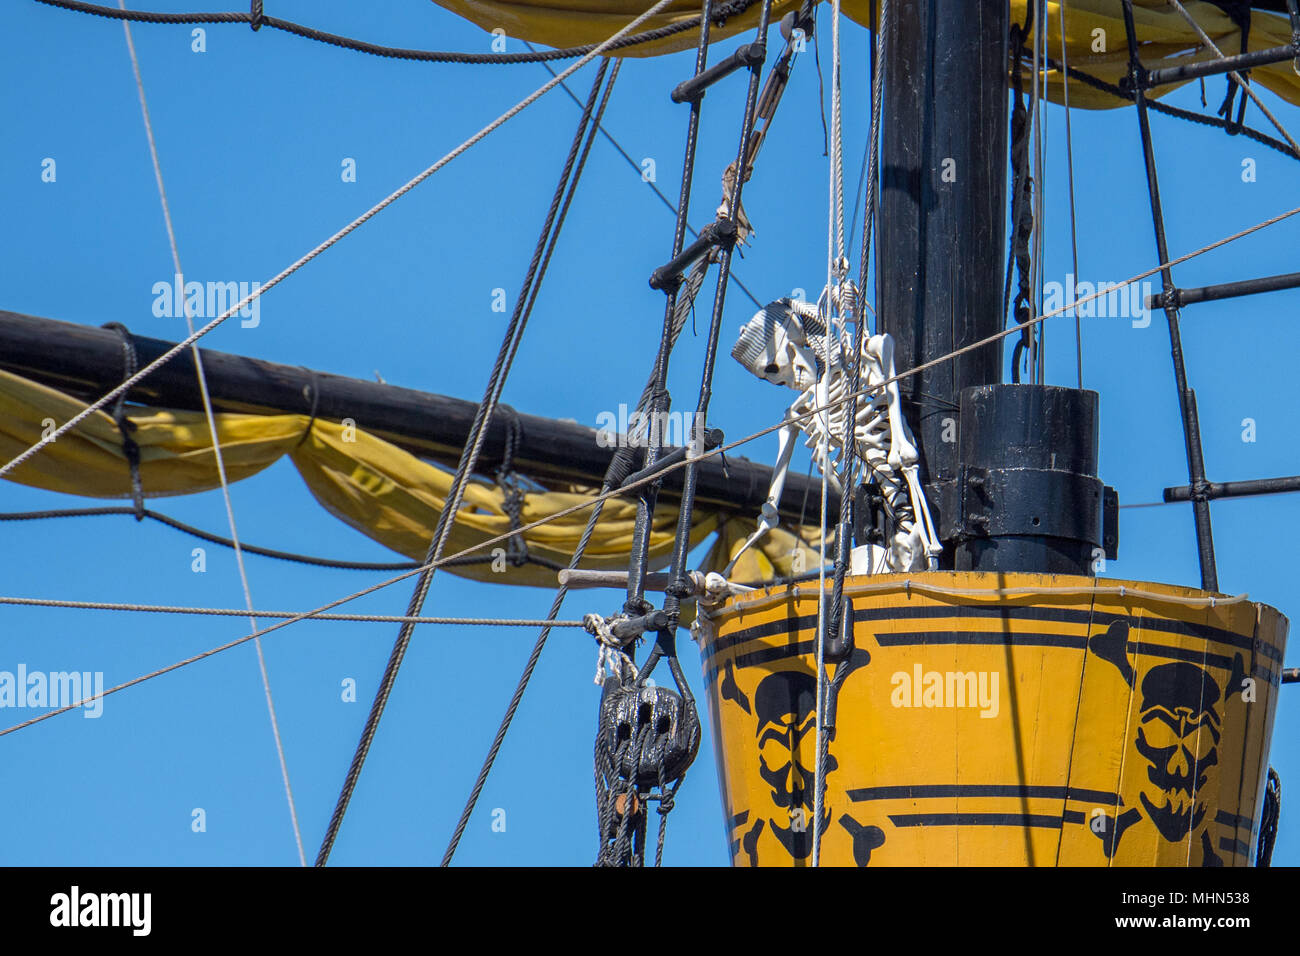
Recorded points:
(380, 490)
(1094, 34)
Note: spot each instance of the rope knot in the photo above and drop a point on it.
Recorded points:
(612, 655)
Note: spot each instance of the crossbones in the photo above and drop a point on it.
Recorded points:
(786, 343)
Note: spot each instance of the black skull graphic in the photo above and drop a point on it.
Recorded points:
(785, 704)
(1178, 733)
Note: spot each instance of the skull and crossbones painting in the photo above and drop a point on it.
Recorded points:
(785, 705)
(1179, 727)
(784, 709)
(1178, 734)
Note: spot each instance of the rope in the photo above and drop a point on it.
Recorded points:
(1186, 397)
(622, 462)
(653, 186)
(1037, 105)
(314, 388)
(627, 847)
(257, 19)
(512, 493)
(655, 397)
(835, 271)
(1234, 76)
(555, 216)
(130, 362)
(253, 549)
(1022, 215)
(212, 538)
(848, 479)
(1177, 112)
(237, 612)
(599, 499)
(837, 135)
(759, 601)
(732, 209)
(1074, 233)
(517, 697)
(332, 240)
(1268, 819)
(667, 800)
(216, 445)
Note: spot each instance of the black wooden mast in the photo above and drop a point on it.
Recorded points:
(943, 158)
(86, 361)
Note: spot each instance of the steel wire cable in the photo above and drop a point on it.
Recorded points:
(328, 243)
(654, 186)
(236, 612)
(620, 464)
(555, 217)
(216, 444)
(721, 450)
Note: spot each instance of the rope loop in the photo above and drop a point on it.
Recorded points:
(130, 365)
(310, 390)
(512, 486)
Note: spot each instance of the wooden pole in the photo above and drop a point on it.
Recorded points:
(86, 361)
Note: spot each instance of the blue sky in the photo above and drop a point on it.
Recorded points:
(252, 134)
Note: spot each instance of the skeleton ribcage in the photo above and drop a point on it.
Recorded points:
(824, 432)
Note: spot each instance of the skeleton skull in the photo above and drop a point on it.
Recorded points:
(774, 347)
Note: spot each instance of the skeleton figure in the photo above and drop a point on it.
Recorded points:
(786, 344)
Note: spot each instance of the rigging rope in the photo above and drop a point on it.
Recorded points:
(611, 785)
(1186, 397)
(236, 612)
(1177, 112)
(1074, 234)
(609, 788)
(836, 273)
(216, 445)
(1233, 75)
(252, 549)
(641, 174)
(655, 393)
(599, 499)
(328, 243)
(731, 209)
(130, 450)
(1269, 818)
(554, 222)
(620, 466)
(258, 19)
(1022, 212)
(828, 627)
(1040, 186)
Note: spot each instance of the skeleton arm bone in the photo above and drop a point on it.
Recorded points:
(769, 517)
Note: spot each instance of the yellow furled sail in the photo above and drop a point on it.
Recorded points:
(377, 488)
(1005, 719)
(1094, 34)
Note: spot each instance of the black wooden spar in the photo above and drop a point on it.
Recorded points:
(86, 361)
